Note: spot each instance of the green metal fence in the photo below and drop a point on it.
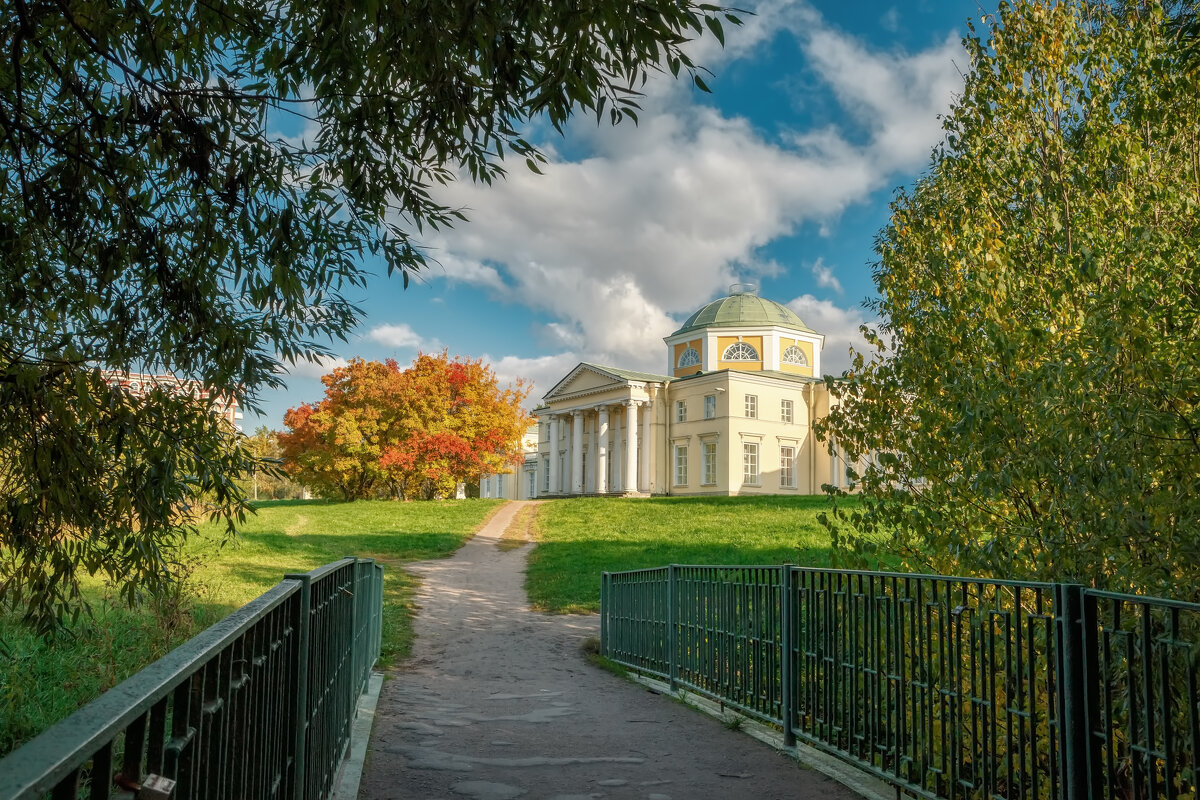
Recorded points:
(945, 687)
(258, 706)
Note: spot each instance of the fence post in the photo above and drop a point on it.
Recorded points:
(1076, 633)
(299, 763)
(672, 664)
(604, 614)
(786, 700)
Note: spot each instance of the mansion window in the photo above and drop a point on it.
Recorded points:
(710, 464)
(787, 467)
(545, 475)
(794, 355)
(752, 406)
(740, 351)
(710, 406)
(681, 454)
(680, 411)
(785, 411)
(688, 358)
(750, 463)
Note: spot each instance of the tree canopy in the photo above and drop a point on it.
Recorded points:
(417, 432)
(194, 188)
(1032, 405)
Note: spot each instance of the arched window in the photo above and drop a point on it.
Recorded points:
(740, 351)
(689, 358)
(794, 355)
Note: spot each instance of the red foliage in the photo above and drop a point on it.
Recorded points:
(420, 431)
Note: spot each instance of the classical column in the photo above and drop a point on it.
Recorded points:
(647, 445)
(589, 473)
(631, 450)
(601, 449)
(554, 479)
(615, 456)
(577, 452)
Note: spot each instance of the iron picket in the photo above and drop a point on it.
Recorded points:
(946, 687)
(220, 714)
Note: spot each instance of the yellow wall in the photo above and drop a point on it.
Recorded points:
(680, 372)
(796, 369)
(746, 366)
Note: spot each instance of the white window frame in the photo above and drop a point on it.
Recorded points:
(751, 467)
(688, 358)
(787, 466)
(751, 406)
(787, 411)
(795, 355)
(681, 411)
(709, 473)
(710, 406)
(680, 471)
(740, 351)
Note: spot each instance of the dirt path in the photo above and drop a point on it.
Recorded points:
(498, 702)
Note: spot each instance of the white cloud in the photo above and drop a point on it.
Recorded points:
(618, 246)
(890, 21)
(542, 373)
(400, 336)
(310, 369)
(825, 277)
(840, 327)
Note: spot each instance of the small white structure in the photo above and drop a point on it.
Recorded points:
(521, 483)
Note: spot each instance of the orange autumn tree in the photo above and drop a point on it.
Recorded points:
(457, 425)
(412, 433)
(334, 446)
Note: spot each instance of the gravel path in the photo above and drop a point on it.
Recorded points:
(498, 702)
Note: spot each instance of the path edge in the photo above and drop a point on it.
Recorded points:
(855, 780)
(350, 774)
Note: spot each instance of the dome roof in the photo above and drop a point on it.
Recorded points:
(742, 309)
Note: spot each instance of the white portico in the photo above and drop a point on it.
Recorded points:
(598, 422)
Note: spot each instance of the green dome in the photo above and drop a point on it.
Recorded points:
(742, 310)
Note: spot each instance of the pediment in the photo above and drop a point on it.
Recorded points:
(585, 379)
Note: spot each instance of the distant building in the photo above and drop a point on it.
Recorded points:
(139, 384)
(521, 483)
(732, 416)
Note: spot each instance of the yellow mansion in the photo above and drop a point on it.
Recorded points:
(732, 415)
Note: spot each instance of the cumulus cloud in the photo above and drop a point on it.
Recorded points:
(840, 326)
(400, 336)
(616, 247)
(825, 277)
(542, 373)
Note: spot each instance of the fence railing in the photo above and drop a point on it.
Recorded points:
(259, 706)
(945, 687)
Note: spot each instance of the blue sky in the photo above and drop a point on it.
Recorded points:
(781, 178)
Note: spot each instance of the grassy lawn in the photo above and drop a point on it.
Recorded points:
(40, 683)
(582, 537)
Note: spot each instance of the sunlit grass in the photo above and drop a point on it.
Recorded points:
(580, 538)
(41, 683)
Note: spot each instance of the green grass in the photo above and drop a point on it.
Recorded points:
(582, 537)
(41, 683)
